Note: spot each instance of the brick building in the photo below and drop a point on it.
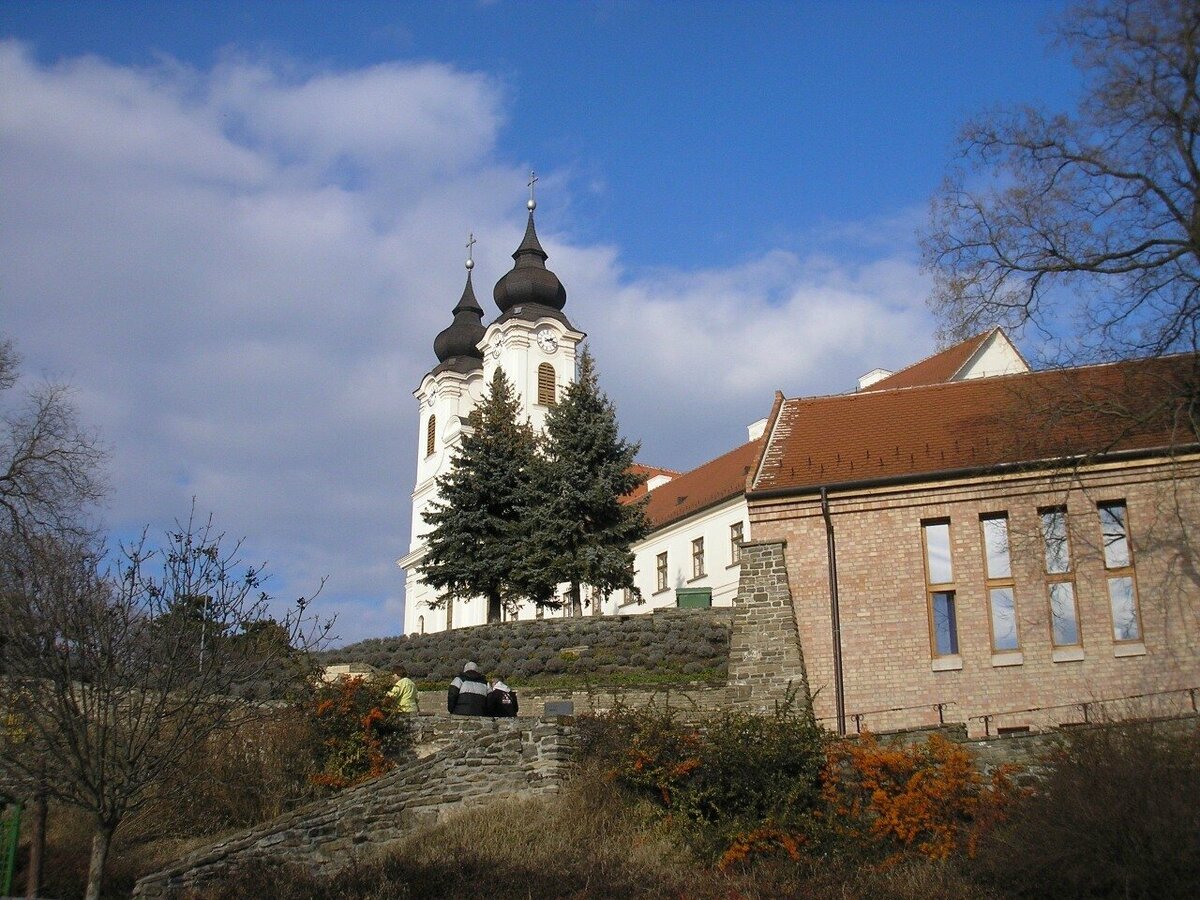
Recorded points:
(1019, 547)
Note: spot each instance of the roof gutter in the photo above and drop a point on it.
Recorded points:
(944, 474)
(835, 616)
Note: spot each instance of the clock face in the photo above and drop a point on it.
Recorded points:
(547, 340)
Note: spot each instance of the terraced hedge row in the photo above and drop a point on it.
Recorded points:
(688, 643)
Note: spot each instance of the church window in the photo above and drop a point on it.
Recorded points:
(1118, 565)
(660, 572)
(735, 543)
(1002, 607)
(940, 589)
(421, 624)
(430, 435)
(1060, 580)
(547, 386)
(698, 558)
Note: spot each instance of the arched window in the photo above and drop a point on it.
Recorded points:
(547, 389)
(421, 623)
(430, 433)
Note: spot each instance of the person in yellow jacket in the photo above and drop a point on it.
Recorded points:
(402, 698)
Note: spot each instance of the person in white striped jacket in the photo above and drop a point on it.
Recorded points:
(468, 692)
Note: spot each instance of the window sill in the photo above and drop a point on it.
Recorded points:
(665, 590)
(1008, 658)
(1133, 648)
(700, 577)
(734, 565)
(1067, 654)
(946, 663)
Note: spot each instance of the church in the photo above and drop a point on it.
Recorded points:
(691, 556)
(1017, 547)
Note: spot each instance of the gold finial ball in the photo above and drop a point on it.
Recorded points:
(470, 264)
(531, 204)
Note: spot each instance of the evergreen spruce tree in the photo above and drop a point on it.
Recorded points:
(581, 532)
(478, 524)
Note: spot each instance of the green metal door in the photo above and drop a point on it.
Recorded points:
(693, 598)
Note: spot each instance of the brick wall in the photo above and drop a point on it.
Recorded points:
(472, 760)
(885, 619)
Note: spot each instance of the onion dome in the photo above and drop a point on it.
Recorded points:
(457, 346)
(530, 283)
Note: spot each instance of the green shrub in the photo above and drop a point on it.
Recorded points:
(651, 645)
(721, 777)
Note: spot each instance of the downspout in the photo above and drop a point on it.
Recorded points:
(839, 691)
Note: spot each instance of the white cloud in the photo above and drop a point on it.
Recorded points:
(242, 271)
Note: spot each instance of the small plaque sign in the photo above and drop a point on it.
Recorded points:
(560, 708)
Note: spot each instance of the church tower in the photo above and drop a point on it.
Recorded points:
(532, 340)
(445, 398)
(535, 344)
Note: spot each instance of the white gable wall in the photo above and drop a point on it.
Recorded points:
(996, 356)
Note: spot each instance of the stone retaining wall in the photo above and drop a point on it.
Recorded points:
(765, 657)
(1030, 750)
(687, 700)
(471, 760)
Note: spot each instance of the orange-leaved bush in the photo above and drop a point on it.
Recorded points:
(356, 738)
(926, 797)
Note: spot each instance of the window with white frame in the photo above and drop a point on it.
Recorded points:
(1118, 567)
(698, 558)
(998, 579)
(660, 572)
(940, 590)
(1060, 579)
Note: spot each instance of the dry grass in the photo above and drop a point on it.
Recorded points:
(587, 844)
(68, 844)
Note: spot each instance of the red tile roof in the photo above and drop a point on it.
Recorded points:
(934, 369)
(978, 424)
(649, 472)
(714, 482)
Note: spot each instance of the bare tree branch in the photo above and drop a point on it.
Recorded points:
(50, 466)
(1100, 210)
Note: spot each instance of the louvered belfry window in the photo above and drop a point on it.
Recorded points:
(430, 432)
(547, 389)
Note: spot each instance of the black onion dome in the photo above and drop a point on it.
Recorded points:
(461, 339)
(530, 283)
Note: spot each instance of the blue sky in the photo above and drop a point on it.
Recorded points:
(236, 227)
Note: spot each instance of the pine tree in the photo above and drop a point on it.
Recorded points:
(582, 532)
(478, 522)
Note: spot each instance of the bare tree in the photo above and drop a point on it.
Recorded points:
(1086, 226)
(49, 464)
(112, 673)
